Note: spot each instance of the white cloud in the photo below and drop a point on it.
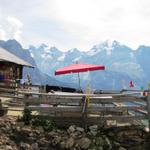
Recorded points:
(2, 34)
(14, 28)
(93, 21)
(10, 28)
(79, 23)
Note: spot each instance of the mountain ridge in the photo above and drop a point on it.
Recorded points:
(122, 63)
(37, 76)
(118, 58)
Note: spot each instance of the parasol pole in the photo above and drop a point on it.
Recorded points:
(79, 81)
(88, 92)
(88, 97)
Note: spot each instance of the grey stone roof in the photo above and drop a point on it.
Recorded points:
(9, 57)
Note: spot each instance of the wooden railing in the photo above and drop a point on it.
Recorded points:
(109, 106)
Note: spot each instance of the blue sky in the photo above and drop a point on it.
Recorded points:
(67, 24)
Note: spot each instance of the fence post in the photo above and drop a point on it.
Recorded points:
(148, 108)
(84, 112)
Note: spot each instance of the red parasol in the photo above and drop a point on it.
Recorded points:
(76, 68)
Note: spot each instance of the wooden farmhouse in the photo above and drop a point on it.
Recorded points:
(11, 67)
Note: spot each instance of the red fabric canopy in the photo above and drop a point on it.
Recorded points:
(75, 68)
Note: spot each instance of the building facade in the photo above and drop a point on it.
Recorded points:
(11, 67)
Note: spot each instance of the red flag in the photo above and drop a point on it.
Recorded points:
(131, 84)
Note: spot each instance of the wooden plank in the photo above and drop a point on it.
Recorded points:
(123, 108)
(77, 94)
(52, 94)
(130, 98)
(79, 109)
(36, 86)
(103, 91)
(117, 118)
(8, 83)
(11, 96)
(50, 100)
(99, 118)
(84, 112)
(142, 111)
(11, 109)
(36, 101)
(13, 104)
(7, 90)
(132, 90)
(119, 99)
(53, 99)
(56, 109)
(70, 99)
(140, 103)
(94, 97)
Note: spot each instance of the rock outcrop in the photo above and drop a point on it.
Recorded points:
(15, 136)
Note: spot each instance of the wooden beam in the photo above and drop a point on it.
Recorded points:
(50, 100)
(58, 99)
(123, 108)
(7, 90)
(13, 104)
(11, 109)
(10, 96)
(70, 99)
(84, 112)
(117, 118)
(78, 94)
(142, 111)
(56, 109)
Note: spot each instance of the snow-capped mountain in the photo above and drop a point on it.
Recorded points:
(37, 76)
(122, 64)
(119, 58)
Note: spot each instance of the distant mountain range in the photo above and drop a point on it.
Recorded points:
(38, 77)
(122, 64)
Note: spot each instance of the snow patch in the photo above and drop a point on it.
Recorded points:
(73, 50)
(45, 56)
(132, 55)
(107, 45)
(109, 50)
(93, 51)
(31, 54)
(49, 57)
(46, 49)
(110, 46)
(76, 59)
(61, 58)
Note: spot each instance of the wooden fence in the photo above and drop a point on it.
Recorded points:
(106, 108)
